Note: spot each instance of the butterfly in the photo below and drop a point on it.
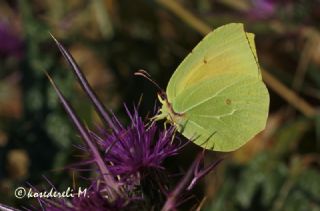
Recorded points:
(216, 96)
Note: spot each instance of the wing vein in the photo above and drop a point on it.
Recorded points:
(209, 98)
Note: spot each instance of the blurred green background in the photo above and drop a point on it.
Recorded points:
(110, 39)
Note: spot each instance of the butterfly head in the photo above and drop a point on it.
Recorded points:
(166, 111)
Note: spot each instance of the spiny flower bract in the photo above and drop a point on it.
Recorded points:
(136, 148)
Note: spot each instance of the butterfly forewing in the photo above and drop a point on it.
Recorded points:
(225, 50)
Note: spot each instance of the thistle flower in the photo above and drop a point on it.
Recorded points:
(129, 152)
(133, 149)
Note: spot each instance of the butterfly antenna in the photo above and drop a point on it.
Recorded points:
(147, 76)
(144, 72)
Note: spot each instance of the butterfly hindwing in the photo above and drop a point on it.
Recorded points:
(234, 107)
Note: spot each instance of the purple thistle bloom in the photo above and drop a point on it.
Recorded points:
(130, 153)
(136, 147)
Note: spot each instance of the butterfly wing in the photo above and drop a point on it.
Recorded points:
(216, 96)
(224, 112)
(227, 49)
